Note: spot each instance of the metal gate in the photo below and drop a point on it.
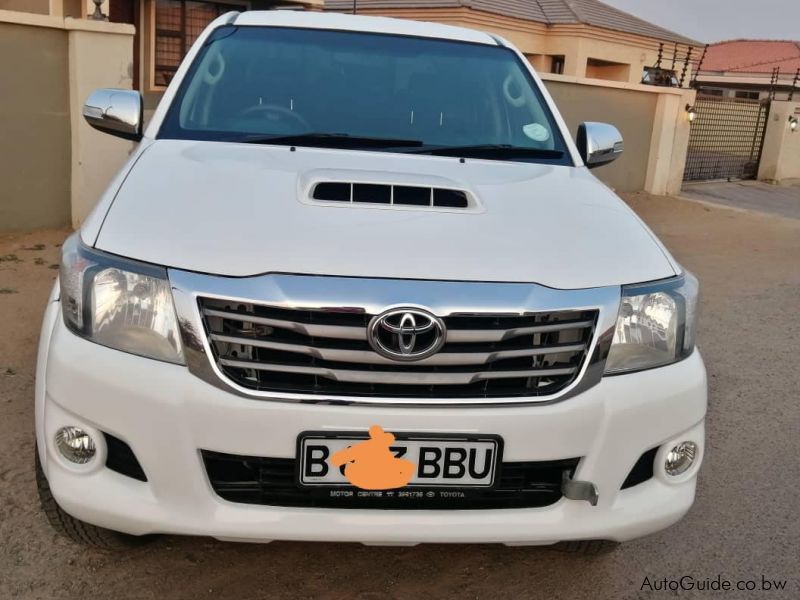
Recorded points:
(726, 138)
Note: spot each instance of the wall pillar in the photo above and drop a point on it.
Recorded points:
(780, 158)
(669, 144)
(100, 55)
(576, 64)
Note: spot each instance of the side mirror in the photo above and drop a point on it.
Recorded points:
(599, 144)
(117, 112)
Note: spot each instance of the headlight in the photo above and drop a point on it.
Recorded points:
(655, 326)
(119, 303)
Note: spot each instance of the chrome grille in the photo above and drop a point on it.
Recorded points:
(274, 349)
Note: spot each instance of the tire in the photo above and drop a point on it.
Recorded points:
(76, 530)
(587, 547)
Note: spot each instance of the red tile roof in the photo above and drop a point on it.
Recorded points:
(752, 56)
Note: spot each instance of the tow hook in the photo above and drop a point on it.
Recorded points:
(578, 490)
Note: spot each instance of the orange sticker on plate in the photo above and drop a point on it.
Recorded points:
(371, 465)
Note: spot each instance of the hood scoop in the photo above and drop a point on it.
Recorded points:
(397, 191)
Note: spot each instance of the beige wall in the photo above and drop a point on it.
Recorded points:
(670, 143)
(780, 158)
(57, 8)
(34, 128)
(652, 122)
(631, 112)
(41, 7)
(54, 166)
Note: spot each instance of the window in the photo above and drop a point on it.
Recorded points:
(748, 95)
(605, 69)
(658, 76)
(261, 83)
(538, 62)
(178, 24)
(557, 64)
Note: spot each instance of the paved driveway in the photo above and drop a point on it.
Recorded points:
(744, 527)
(779, 200)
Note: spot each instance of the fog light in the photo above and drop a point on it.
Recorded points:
(75, 445)
(680, 458)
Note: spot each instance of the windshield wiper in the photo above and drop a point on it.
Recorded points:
(347, 141)
(328, 140)
(489, 151)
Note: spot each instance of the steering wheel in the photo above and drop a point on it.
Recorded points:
(275, 110)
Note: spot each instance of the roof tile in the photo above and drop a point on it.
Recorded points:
(752, 56)
(552, 12)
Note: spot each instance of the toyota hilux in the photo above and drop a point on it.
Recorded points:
(369, 239)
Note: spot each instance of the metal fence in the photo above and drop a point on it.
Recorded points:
(726, 138)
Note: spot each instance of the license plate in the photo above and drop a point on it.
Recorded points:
(439, 460)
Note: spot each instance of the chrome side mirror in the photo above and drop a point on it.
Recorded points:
(117, 112)
(599, 144)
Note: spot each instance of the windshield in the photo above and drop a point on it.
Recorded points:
(363, 91)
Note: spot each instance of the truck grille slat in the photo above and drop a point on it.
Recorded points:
(331, 331)
(369, 357)
(319, 351)
(395, 377)
(500, 335)
(357, 332)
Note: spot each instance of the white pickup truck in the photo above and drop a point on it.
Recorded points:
(337, 228)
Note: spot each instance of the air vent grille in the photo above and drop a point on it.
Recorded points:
(272, 482)
(390, 195)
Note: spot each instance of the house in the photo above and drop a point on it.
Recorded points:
(582, 38)
(579, 38)
(750, 69)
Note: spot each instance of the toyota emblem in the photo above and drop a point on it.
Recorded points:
(406, 334)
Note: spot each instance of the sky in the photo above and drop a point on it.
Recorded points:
(715, 20)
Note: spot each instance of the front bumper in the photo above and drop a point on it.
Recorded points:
(167, 415)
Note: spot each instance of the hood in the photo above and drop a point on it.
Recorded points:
(239, 210)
